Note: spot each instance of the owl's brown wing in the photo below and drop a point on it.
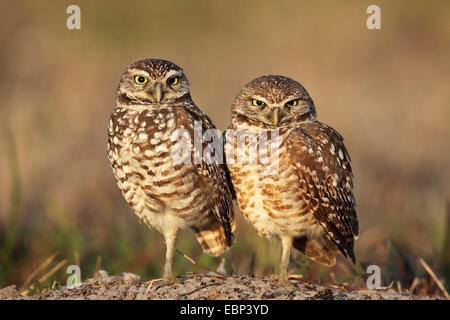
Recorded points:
(322, 164)
(211, 168)
(227, 172)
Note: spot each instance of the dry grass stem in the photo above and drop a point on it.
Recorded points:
(39, 269)
(98, 265)
(435, 278)
(199, 265)
(45, 277)
(414, 284)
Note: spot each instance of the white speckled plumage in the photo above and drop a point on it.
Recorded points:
(164, 194)
(308, 203)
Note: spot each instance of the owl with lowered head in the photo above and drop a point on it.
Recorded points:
(306, 199)
(152, 101)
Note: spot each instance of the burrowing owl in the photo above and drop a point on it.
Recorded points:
(306, 198)
(167, 191)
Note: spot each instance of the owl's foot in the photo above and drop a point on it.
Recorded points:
(283, 281)
(168, 281)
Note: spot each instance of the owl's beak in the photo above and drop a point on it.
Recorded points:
(275, 116)
(158, 92)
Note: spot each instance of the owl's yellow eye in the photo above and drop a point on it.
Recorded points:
(172, 81)
(257, 103)
(140, 79)
(293, 102)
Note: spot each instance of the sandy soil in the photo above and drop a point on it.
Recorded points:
(129, 286)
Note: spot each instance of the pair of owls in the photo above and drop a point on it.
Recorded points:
(306, 202)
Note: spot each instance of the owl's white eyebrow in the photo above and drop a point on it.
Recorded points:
(172, 73)
(291, 99)
(140, 72)
(260, 99)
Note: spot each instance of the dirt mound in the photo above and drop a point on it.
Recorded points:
(210, 287)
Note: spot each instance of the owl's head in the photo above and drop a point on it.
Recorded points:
(274, 101)
(153, 82)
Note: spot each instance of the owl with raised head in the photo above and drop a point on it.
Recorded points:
(291, 173)
(159, 167)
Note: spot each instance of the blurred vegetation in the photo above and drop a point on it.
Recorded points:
(386, 91)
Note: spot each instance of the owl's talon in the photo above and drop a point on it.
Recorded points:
(284, 282)
(170, 281)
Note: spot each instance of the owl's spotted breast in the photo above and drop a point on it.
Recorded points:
(140, 151)
(270, 201)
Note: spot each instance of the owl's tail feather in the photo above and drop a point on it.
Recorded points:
(316, 250)
(213, 239)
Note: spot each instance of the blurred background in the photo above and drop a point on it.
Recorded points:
(386, 91)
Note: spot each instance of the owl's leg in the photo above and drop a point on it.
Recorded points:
(171, 238)
(286, 243)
